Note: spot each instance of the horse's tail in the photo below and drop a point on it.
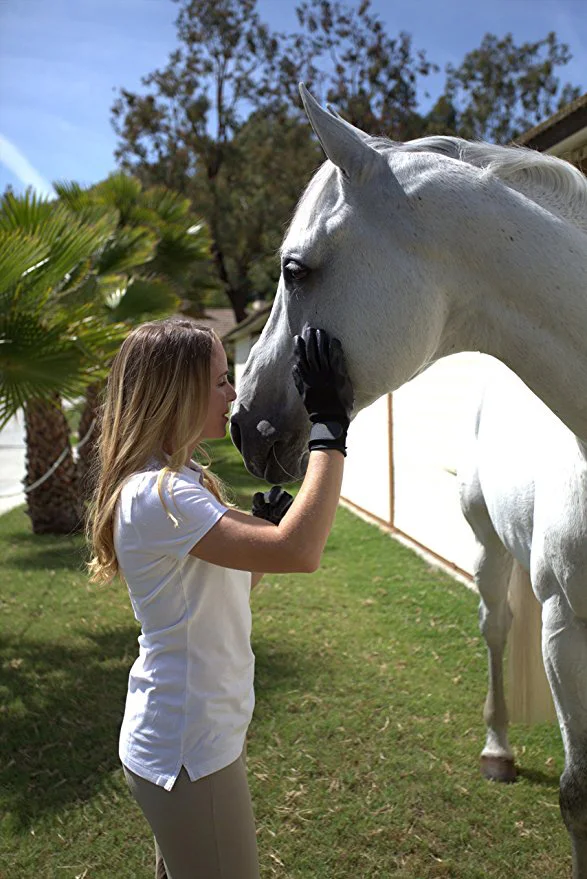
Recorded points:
(529, 696)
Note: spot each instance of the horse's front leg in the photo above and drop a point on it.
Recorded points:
(492, 574)
(564, 646)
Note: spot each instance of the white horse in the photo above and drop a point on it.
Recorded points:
(408, 253)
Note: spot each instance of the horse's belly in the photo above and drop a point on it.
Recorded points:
(522, 448)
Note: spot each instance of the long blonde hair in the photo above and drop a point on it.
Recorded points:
(155, 407)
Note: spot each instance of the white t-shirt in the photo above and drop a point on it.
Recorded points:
(190, 692)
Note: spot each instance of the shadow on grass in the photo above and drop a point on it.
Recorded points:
(62, 709)
(42, 552)
(534, 776)
(280, 669)
(59, 728)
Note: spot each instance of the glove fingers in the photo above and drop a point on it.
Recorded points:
(323, 346)
(273, 495)
(283, 504)
(300, 349)
(258, 499)
(298, 380)
(301, 356)
(312, 352)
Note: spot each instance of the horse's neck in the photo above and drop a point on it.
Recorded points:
(529, 308)
(558, 202)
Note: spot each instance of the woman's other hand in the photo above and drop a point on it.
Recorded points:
(272, 505)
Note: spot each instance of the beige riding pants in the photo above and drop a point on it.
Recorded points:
(203, 829)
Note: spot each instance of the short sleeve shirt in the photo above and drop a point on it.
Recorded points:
(190, 692)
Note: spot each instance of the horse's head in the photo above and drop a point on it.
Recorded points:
(349, 264)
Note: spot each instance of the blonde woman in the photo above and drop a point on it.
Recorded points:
(161, 522)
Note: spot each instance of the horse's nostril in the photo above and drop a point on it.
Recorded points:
(235, 433)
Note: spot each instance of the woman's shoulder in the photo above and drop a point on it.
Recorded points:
(156, 480)
(166, 509)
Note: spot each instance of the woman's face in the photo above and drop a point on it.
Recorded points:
(222, 394)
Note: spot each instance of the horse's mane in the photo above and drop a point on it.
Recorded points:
(517, 166)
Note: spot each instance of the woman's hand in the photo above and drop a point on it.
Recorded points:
(322, 380)
(272, 505)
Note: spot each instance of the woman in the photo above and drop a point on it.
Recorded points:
(162, 523)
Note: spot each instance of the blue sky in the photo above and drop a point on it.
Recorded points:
(61, 61)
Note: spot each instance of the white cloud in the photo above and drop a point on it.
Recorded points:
(15, 161)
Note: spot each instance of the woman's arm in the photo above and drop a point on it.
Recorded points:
(296, 543)
(246, 543)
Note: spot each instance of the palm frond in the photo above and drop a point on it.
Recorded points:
(77, 243)
(122, 192)
(72, 194)
(129, 248)
(167, 205)
(19, 252)
(37, 361)
(143, 299)
(98, 339)
(179, 250)
(27, 212)
(80, 201)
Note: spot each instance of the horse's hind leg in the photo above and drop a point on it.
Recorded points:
(492, 569)
(492, 575)
(564, 645)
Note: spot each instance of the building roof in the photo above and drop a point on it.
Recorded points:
(568, 121)
(251, 323)
(221, 320)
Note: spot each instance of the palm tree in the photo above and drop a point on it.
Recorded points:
(76, 273)
(52, 344)
(176, 275)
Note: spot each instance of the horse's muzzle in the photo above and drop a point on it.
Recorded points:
(235, 434)
(266, 454)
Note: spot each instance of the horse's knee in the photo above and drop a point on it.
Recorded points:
(573, 795)
(495, 621)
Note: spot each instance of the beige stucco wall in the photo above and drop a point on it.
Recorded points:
(417, 493)
(367, 472)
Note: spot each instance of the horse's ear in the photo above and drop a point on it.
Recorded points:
(362, 135)
(345, 145)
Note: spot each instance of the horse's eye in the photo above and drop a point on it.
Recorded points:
(294, 271)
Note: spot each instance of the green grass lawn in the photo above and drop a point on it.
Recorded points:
(363, 751)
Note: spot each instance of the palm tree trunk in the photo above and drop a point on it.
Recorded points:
(87, 455)
(54, 507)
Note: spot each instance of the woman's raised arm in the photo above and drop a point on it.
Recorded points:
(296, 544)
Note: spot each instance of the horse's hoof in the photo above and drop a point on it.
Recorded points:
(498, 769)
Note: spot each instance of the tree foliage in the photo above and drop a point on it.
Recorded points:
(222, 122)
(350, 61)
(75, 273)
(502, 89)
(51, 342)
(157, 259)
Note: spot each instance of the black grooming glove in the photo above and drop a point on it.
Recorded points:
(273, 505)
(320, 375)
